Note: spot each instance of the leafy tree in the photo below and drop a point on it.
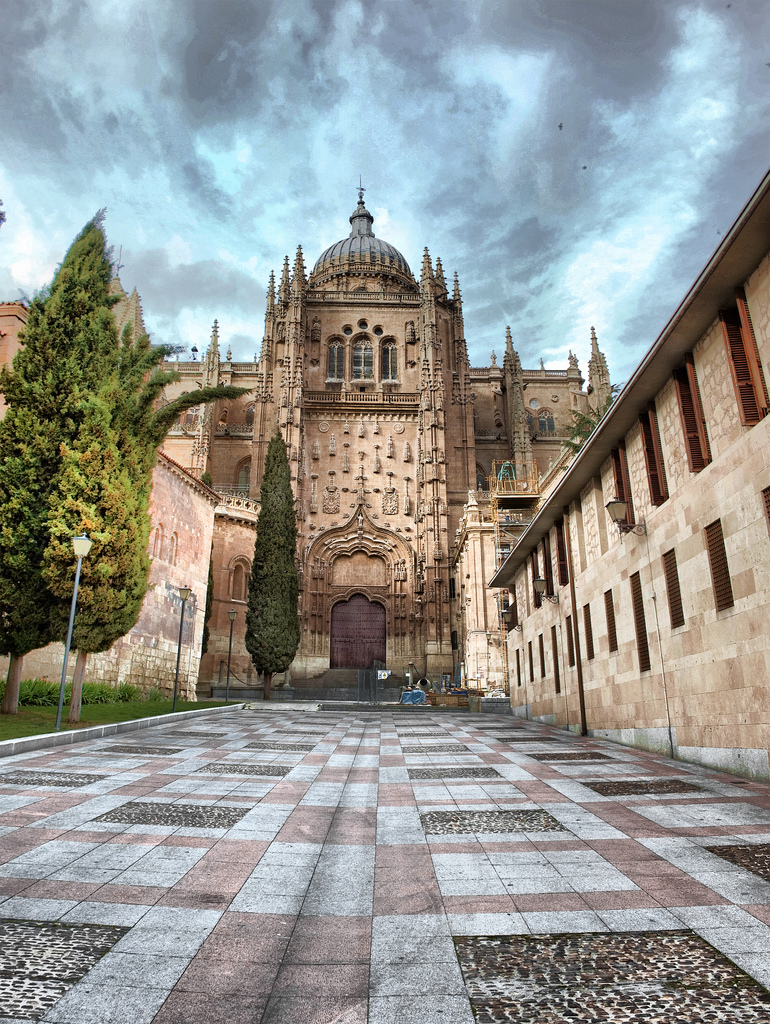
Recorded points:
(584, 424)
(272, 622)
(207, 479)
(91, 401)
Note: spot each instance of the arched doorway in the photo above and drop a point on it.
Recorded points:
(357, 634)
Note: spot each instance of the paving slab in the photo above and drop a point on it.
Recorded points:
(288, 864)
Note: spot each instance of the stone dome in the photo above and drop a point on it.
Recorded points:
(361, 253)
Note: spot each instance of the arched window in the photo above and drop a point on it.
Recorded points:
(172, 549)
(244, 477)
(336, 355)
(363, 360)
(223, 418)
(389, 361)
(191, 418)
(481, 478)
(250, 416)
(239, 583)
(157, 544)
(545, 423)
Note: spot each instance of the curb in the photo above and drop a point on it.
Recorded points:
(41, 741)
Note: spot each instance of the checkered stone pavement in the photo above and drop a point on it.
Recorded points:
(304, 866)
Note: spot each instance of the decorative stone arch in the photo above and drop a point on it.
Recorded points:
(157, 542)
(240, 571)
(359, 557)
(242, 476)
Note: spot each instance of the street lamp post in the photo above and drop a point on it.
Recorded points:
(232, 613)
(184, 593)
(81, 546)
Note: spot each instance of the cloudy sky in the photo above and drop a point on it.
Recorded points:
(574, 161)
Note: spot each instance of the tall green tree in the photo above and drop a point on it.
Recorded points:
(209, 602)
(272, 620)
(93, 470)
(64, 353)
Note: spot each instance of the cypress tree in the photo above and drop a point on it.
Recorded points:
(272, 621)
(209, 602)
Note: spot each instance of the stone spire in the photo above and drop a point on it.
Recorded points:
(599, 386)
(456, 296)
(271, 291)
(426, 278)
(212, 357)
(285, 288)
(518, 430)
(441, 290)
(298, 280)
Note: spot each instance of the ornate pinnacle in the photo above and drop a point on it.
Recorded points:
(298, 278)
(285, 288)
(427, 268)
(456, 291)
(440, 277)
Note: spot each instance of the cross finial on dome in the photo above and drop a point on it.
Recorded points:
(361, 190)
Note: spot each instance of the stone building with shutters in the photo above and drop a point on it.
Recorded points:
(364, 369)
(654, 631)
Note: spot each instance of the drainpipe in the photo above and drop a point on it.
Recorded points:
(576, 632)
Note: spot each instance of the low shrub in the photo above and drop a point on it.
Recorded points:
(155, 694)
(128, 692)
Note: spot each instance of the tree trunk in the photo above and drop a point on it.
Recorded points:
(266, 686)
(10, 703)
(76, 700)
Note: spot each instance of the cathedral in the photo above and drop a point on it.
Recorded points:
(390, 432)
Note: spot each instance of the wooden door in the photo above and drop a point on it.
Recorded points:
(357, 634)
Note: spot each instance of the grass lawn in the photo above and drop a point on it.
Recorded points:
(31, 721)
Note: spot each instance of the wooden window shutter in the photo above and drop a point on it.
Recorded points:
(556, 676)
(570, 642)
(541, 645)
(547, 564)
(766, 504)
(561, 552)
(744, 366)
(622, 481)
(531, 663)
(720, 571)
(691, 415)
(609, 608)
(637, 602)
(653, 455)
(518, 667)
(589, 631)
(535, 574)
(752, 351)
(513, 608)
(675, 609)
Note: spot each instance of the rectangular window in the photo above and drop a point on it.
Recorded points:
(561, 552)
(389, 363)
(541, 645)
(766, 504)
(535, 575)
(720, 571)
(653, 455)
(531, 663)
(623, 481)
(609, 608)
(589, 631)
(452, 585)
(547, 566)
(363, 368)
(518, 667)
(513, 608)
(642, 645)
(570, 642)
(746, 369)
(675, 609)
(691, 416)
(556, 676)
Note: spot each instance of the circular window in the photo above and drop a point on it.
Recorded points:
(534, 404)
(363, 324)
(378, 331)
(347, 329)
